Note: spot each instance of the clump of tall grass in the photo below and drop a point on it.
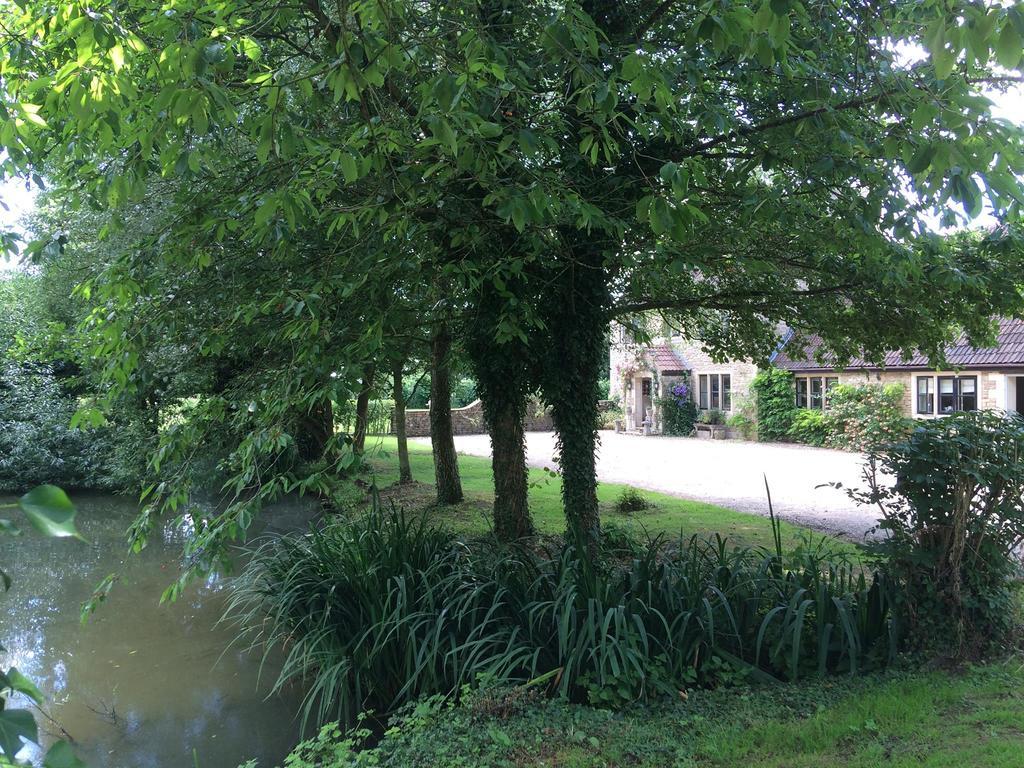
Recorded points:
(377, 611)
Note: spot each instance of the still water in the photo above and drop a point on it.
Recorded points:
(140, 685)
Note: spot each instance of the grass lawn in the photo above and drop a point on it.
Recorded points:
(973, 719)
(668, 514)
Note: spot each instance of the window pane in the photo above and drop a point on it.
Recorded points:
(726, 392)
(816, 392)
(704, 391)
(801, 393)
(947, 394)
(925, 396)
(968, 393)
(715, 389)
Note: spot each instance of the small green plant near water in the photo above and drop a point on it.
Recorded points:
(48, 510)
(631, 500)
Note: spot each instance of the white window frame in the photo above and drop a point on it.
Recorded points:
(808, 380)
(935, 378)
(704, 391)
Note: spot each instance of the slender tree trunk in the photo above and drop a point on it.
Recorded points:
(511, 482)
(446, 462)
(404, 470)
(363, 410)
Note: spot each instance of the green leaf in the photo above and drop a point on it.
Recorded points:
(445, 135)
(60, 755)
(921, 159)
(348, 167)
(15, 725)
(50, 510)
(6, 526)
(1009, 47)
(18, 683)
(944, 60)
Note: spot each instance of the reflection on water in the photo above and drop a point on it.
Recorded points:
(140, 685)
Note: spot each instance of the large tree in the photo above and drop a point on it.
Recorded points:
(732, 164)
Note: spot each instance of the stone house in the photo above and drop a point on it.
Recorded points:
(989, 378)
(985, 378)
(640, 374)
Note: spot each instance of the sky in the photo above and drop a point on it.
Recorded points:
(20, 200)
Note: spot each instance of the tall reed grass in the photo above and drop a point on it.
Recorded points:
(374, 612)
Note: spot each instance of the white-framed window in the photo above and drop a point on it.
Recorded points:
(941, 394)
(812, 391)
(714, 391)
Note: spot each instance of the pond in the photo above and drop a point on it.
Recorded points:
(139, 685)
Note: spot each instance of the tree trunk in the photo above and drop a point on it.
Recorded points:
(446, 463)
(404, 470)
(576, 318)
(363, 410)
(511, 482)
(316, 428)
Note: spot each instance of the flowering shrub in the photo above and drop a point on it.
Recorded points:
(868, 417)
(678, 412)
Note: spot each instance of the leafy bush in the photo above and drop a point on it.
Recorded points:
(712, 416)
(37, 444)
(744, 417)
(678, 411)
(610, 416)
(955, 517)
(867, 417)
(380, 611)
(773, 394)
(809, 427)
(631, 500)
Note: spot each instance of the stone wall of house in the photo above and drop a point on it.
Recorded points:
(470, 420)
(741, 372)
(991, 385)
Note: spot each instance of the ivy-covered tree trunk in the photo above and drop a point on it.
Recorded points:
(404, 470)
(576, 317)
(504, 410)
(363, 409)
(446, 462)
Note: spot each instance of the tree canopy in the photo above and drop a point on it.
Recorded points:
(526, 172)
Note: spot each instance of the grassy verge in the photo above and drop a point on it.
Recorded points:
(668, 514)
(923, 719)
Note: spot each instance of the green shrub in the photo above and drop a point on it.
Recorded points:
(809, 427)
(678, 411)
(955, 518)
(867, 417)
(774, 397)
(712, 416)
(380, 611)
(744, 417)
(631, 500)
(37, 444)
(610, 416)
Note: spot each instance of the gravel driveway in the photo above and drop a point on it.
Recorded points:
(725, 472)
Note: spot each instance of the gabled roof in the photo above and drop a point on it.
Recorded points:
(667, 360)
(1008, 353)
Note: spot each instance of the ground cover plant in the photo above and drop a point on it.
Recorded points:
(907, 719)
(377, 611)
